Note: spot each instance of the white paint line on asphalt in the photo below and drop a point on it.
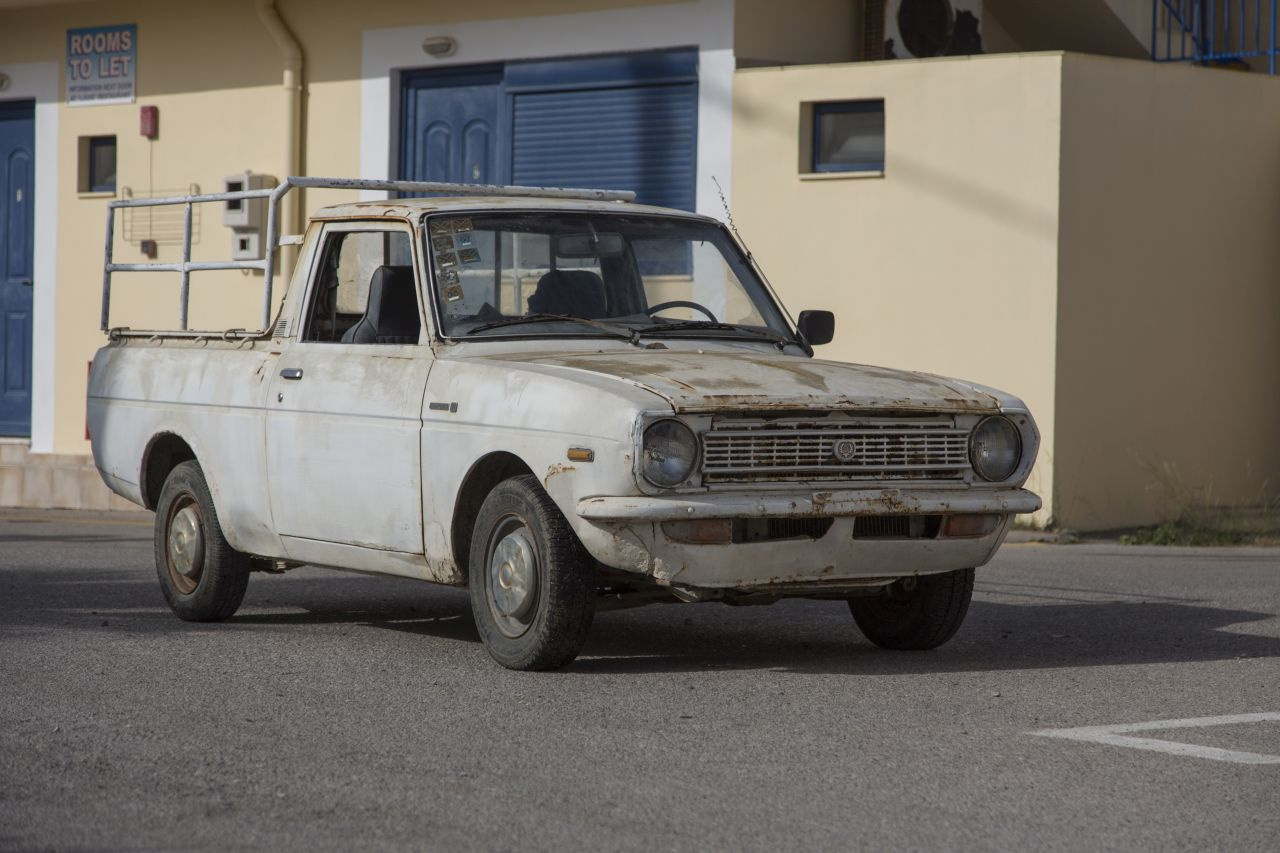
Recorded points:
(1118, 736)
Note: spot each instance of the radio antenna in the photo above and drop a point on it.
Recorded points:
(728, 218)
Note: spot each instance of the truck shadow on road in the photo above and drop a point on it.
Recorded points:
(1055, 627)
(821, 637)
(110, 598)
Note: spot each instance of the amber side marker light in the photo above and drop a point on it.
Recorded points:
(971, 525)
(711, 531)
(581, 454)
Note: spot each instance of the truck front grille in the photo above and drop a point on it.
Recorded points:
(896, 526)
(834, 449)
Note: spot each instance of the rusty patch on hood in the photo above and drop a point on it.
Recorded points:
(711, 380)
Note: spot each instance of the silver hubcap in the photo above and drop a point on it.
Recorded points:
(513, 580)
(186, 543)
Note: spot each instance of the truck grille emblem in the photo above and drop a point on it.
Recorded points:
(845, 450)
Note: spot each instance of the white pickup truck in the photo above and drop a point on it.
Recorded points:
(562, 400)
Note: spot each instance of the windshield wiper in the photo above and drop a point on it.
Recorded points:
(698, 325)
(615, 331)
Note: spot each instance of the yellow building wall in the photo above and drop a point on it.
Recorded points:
(1169, 308)
(948, 262)
(215, 74)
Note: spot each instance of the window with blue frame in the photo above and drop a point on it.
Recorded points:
(848, 136)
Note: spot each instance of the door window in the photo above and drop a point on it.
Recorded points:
(365, 291)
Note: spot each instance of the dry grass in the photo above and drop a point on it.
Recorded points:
(1196, 515)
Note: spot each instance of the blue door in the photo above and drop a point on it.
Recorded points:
(17, 179)
(451, 123)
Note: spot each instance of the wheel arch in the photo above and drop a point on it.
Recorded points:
(487, 472)
(165, 451)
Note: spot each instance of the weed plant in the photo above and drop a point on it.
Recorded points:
(1197, 516)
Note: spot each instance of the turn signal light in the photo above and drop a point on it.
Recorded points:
(970, 525)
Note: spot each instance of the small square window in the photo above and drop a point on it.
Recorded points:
(848, 136)
(97, 164)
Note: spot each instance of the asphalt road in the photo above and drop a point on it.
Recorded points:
(337, 711)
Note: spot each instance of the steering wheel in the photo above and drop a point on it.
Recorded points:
(680, 303)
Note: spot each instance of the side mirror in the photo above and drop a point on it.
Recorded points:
(817, 327)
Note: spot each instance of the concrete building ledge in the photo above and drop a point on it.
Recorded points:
(53, 481)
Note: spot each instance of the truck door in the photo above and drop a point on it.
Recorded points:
(344, 410)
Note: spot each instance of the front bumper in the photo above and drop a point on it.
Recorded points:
(816, 504)
(626, 533)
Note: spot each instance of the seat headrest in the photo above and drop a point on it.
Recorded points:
(577, 293)
(391, 314)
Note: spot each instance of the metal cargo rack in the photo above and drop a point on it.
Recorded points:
(267, 263)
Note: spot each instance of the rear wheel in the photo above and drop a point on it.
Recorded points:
(531, 581)
(920, 612)
(202, 576)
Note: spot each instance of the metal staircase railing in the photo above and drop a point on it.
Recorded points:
(1210, 32)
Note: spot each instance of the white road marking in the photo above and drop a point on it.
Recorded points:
(1118, 736)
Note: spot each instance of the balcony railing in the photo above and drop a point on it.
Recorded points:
(1214, 32)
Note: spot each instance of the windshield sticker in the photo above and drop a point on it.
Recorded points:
(453, 293)
(464, 239)
(446, 259)
(458, 225)
(442, 243)
(469, 256)
(449, 276)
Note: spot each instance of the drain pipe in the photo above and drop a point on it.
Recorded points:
(291, 53)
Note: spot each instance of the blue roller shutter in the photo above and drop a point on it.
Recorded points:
(627, 123)
(640, 138)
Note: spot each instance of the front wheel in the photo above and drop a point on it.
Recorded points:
(202, 576)
(920, 612)
(530, 579)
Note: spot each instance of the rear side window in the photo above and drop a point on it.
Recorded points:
(365, 291)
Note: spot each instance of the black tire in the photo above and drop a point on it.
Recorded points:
(202, 576)
(915, 613)
(533, 609)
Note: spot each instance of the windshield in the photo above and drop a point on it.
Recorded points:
(595, 275)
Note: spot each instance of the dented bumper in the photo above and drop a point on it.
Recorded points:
(632, 534)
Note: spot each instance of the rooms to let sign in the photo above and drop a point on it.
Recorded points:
(102, 65)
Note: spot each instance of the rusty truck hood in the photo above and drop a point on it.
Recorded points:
(701, 381)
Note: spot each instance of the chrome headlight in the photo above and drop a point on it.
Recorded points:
(669, 453)
(995, 448)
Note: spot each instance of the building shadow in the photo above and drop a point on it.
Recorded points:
(78, 538)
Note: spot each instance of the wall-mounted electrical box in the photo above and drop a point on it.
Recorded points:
(149, 121)
(246, 217)
(246, 245)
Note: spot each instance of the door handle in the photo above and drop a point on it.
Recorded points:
(25, 282)
(291, 373)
